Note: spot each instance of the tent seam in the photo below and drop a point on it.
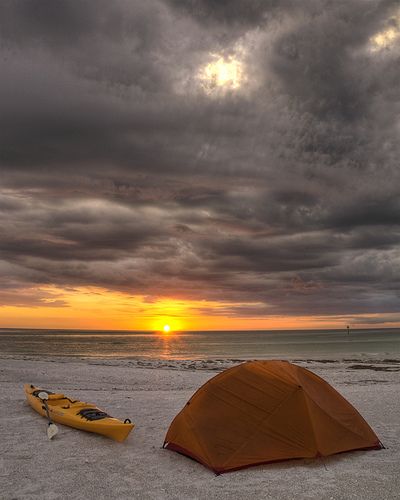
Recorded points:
(201, 444)
(336, 420)
(311, 421)
(259, 424)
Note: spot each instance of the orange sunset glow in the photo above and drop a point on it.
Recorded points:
(96, 308)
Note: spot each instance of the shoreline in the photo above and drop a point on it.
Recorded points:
(382, 363)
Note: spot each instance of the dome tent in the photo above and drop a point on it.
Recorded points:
(266, 411)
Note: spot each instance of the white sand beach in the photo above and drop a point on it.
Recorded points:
(79, 465)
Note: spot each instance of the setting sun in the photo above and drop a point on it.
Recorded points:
(166, 328)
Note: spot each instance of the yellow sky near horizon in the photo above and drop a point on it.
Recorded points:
(96, 308)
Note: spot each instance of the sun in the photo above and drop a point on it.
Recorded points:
(223, 73)
(166, 328)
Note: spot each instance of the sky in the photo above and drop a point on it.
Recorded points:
(202, 164)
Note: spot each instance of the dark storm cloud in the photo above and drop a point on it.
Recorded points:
(317, 67)
(232, 12)
(87, 230)
(47, 20)
(70, 24)
(118, 170)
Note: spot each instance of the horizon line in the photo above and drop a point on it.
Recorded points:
(205, 331)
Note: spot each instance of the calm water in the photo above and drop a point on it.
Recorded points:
(201, 345)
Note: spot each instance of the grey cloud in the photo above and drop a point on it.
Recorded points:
(232, 12)
(387, 320)
(67, 25)
(118, 171)
(317, 63)
(90, 230)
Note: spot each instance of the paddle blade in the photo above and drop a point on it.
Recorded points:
(52, 430)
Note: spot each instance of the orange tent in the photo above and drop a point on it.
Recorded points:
(265, 411)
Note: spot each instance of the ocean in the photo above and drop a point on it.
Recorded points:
(337, 344)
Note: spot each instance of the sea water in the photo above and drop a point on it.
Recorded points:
(382, 343)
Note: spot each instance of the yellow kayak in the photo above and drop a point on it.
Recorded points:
(84, 416)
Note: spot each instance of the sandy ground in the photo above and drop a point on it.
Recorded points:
(79, 465)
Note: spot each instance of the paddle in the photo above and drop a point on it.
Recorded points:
(52, 429)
